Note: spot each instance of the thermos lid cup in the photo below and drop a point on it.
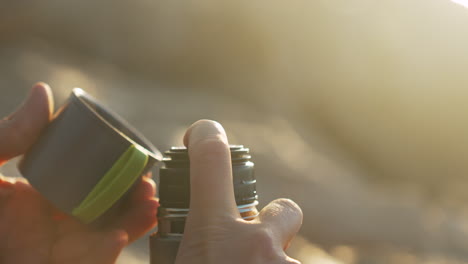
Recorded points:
(87, 158)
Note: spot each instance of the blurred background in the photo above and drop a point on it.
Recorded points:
(356, 109)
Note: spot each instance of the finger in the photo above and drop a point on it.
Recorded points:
(284, 218)
(284, 259)
(70, 247)
(89, 247)
(290, 260)
(141, 218)
(21, 129)
(66, 224)
(108, 248)
(212, 191)
(28, 226)
(6, 190)
(141, 210)
(144, 189)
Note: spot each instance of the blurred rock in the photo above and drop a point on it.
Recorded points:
(354, 109)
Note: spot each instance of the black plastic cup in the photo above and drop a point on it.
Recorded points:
(87, 159)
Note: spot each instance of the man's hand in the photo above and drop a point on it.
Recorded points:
(215, 232)
(31, 229)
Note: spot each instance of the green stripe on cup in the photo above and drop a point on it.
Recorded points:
(113, 185)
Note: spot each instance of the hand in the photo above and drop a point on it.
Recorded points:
(215, 232)
(32, 230)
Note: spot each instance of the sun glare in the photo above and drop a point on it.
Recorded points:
(461, 2)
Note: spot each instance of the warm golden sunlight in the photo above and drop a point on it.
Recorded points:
(461, 2)
(355, 109)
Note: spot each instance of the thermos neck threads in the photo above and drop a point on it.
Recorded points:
(174, 182)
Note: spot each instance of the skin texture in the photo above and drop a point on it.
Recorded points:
(31, 229)
(215, 232)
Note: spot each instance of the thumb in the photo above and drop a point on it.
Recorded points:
(284, 218)
(22, 128)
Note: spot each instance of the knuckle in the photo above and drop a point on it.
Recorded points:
(264, 236)
(292, 261)
(291, 206)
(287, 260)
(265, 242)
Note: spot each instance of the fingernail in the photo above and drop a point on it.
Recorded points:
(44, 93)
(118, 238)
(148, 175)
(153, 203)
(151, 208)
(203, 130)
